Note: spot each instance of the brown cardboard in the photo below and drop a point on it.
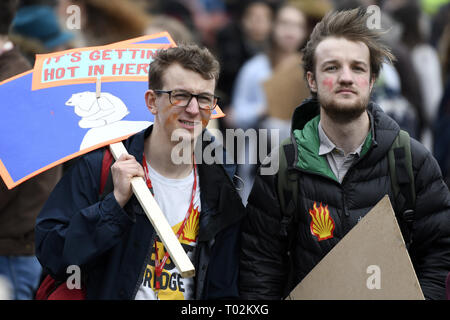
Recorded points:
(343, 273)
(286, 88)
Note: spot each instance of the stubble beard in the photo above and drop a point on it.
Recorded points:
(341, 112)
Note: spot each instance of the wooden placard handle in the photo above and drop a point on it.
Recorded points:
(157, 219)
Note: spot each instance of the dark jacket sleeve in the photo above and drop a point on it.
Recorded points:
(431, 229)
(74, 227)
(263, 253)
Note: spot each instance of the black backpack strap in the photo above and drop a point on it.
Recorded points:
(402, 180)
(287, 185)
(288, 197)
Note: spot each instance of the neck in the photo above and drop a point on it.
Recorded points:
(160, 157)
(279, 56)
(346, 136)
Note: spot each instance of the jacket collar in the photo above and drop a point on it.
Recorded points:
(383, 129)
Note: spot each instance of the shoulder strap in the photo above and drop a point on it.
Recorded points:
(402, 181)
(288, 196)
(106, 184)
(287, 184)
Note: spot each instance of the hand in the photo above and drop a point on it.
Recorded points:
(123, 170)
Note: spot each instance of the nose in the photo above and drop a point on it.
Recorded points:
(346, 77)
(193, 106)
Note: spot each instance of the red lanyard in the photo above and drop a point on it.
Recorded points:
(159, 266)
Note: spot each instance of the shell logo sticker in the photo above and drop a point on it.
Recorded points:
(322, 225)
(190, 232)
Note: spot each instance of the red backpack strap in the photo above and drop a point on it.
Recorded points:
(50, 289)
(64, 293)
(106, 165)
(46, 288)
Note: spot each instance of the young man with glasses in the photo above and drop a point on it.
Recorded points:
(111, 239)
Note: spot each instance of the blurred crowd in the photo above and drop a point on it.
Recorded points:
(258, 43)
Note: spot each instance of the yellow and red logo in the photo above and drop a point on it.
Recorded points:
(190, 231)
(322, 225)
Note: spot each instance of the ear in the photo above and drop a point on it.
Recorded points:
(311, 81)
(372, 82)
(150, 101)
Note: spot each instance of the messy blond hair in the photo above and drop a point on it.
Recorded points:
(351, 25)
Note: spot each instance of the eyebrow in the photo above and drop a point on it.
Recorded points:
(200, 93)
(337, 62)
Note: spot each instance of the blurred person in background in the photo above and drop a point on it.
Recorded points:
(177, 30)
(20, 206)
(245, 36)
(287, 37)
(209, 16)
(314, 10)
(178, 10)
(441, 126)
(36, 30)
(107, 21)
(424, 58)
(404, 88)
(439, 22)
(249, 104)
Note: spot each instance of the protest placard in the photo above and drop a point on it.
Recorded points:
(51, 114)
(370, 263)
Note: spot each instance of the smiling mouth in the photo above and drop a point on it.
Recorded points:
(188, 123)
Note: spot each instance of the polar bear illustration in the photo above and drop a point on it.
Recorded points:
(103, 116)
(97, 112)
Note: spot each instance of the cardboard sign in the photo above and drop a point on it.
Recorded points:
(286, 88)
(55, 113)
(370, 263)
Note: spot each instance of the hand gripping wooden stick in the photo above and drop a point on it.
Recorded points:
(158, 220)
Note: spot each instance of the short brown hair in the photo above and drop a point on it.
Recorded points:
(189, 56)
(351, 25)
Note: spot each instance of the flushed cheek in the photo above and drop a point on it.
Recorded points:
(328, 83)
(362, 82)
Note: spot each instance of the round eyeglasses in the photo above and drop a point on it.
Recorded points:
(182, 98)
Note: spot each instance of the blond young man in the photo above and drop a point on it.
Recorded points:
(341, 141)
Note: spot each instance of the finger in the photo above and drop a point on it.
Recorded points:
(126, 156)
(136, 171)
(130, 170)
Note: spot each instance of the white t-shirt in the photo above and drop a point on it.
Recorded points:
(173, 197)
